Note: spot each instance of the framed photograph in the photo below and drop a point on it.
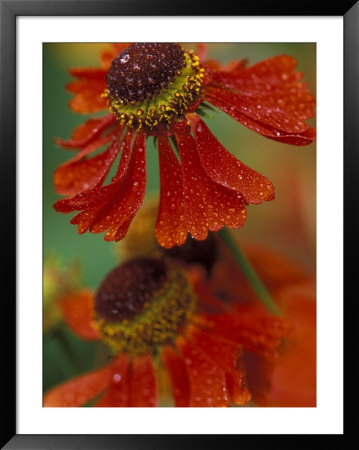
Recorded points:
(176, 185)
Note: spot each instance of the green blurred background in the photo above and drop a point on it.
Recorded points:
(287, 224)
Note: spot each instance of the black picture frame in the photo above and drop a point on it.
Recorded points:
(9, 10)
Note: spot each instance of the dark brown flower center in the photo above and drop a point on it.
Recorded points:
(143, 304)
(128, 289)
(143, 70)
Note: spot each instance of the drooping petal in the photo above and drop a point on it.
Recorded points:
(252, 326)
(207, 380)
(178, 375)
(99, 195)
(227, 356)
(77, 311)
(171, 226)
(118, 392)
(208, 205)
(86, 132)
(143, 388)
(80, 175)
(112, 207)
(79, 390)
(296, 133)
(129, 197)
(225, 169)
(88, 90)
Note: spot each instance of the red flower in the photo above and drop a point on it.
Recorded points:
(159, 90)
(215, 353)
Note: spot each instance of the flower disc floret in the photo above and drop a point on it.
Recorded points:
(142, 304)
(151, 83)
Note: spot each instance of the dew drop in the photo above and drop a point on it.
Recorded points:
(116, 378)
(124, 59)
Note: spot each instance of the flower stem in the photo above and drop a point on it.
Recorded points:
(249, 272)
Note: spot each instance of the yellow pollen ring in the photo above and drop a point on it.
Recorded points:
(170, 102)
(158, 323)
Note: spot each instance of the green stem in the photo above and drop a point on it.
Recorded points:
(249, 272)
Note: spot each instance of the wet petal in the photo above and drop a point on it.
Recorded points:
(118, 392)
(112, 207)
(98, 195)
(171, 226)
(143, 382)
(252, 326)
(86, 132)
(227, 356)
(208, 205)
(225, 169)
(178, 375)
(79, 175)
(207, 380)
(79, 390)
(129, 196)
(77, 310)
(269, 125)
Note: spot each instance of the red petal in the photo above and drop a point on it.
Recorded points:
(227, 356)
(117, 393)
(93, 200)
(86, 132)
(77, 176)
(77, 310)
(275, 269)
(272, 74)
(98, 195)
(293, 380)
(224, 168)
(143, 382)
(129, 196)
(207, 380)
(232, 104)
(113, 206)
(89, 97)
(208, 205)
(88, 73)
(171, 225)
(78, 391)
(89, 87)
(178, 374)
(250, 326)
(217, 71)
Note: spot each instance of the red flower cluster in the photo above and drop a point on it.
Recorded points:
(159, 90)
